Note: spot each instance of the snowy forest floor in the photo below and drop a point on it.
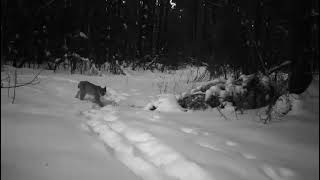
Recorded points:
(49, 134)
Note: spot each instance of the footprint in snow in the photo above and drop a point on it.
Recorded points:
(189, 130)
(286, 172)
(277, 173)
(248, 156)
(125, 94)
(92, 111)
(155, 118)
(88, 114)
(209, 146)
(205, 133)
(231, 143)
(109, 117)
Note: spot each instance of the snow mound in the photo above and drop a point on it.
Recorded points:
(165, 103)
(313, 89)
(303, 104)
(284, 104)
(213, 91)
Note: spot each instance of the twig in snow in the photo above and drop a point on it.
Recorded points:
(235, 112)
(219, 110)
(15, 85)
(32, 82)
(9, 82)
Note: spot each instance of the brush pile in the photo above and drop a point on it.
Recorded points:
(247, 92)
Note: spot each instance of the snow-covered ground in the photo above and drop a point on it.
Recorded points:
(49, 134)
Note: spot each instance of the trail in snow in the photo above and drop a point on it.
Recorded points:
(150, 158)
(143, 153)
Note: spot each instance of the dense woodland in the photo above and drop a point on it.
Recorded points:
(242, 35)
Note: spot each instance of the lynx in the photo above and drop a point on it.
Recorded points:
(87, 88)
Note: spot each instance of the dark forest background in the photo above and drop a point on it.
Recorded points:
(245, 35)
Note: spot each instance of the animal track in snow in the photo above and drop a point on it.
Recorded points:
(209, 146)
(189, 130)
(193, 131)
(231, 143)
(125, 94)
(248, 156)
(277, 173)
(110, 117)
(286, 172)
(140, 151)
(206, 133)
(148, 115)
(155, 117)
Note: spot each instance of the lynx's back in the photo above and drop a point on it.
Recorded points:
(87, 88)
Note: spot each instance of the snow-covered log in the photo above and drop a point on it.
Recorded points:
(208, 85)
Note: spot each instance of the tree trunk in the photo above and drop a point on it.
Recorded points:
(301, 75)
(3, 28)
(155, 31)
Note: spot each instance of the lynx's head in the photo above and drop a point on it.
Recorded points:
(103, 91)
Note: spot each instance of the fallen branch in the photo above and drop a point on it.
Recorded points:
(286, 63)
(32, 82)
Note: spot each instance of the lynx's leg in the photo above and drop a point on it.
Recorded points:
(97, 100)
(100, 103)
(82, 94)
(77, 95)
